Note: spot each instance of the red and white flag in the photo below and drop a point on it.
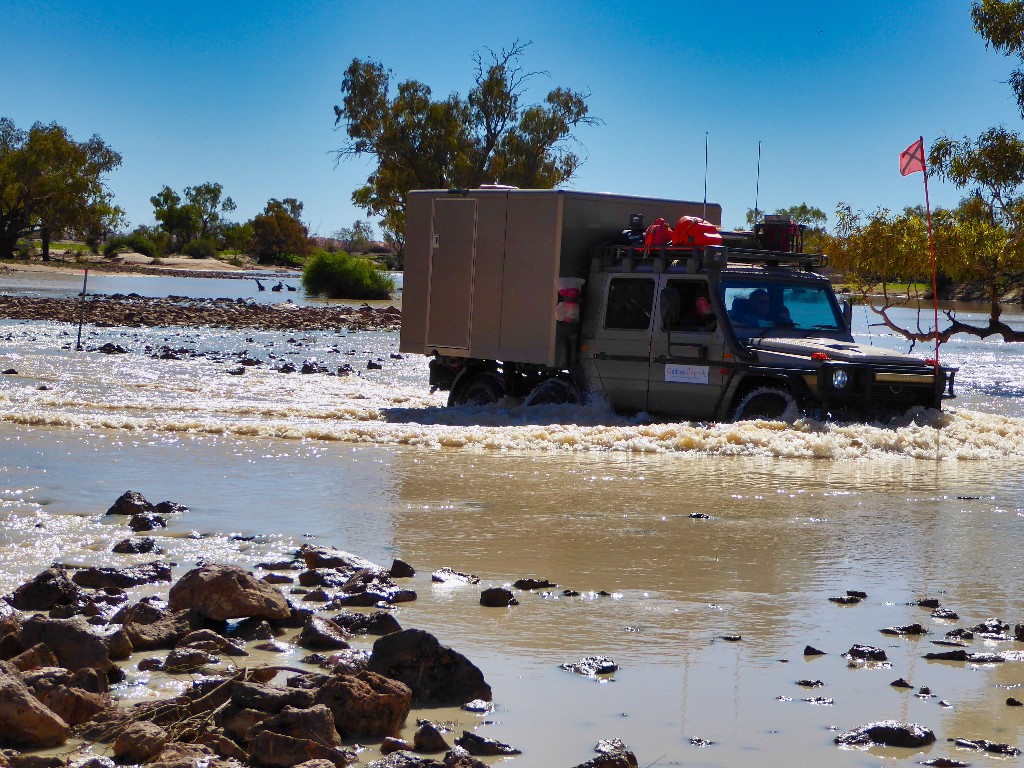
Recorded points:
(912, 158)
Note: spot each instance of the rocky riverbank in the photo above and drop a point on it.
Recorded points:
(68, 635)
(136, 311)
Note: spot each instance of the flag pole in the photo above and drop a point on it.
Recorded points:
(931, 249)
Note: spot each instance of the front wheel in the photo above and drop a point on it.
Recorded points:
(768, 403)
(553, 392)
(483, 389)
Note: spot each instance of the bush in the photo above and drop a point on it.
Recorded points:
(200, 249)
(340, 276)
(136, 242)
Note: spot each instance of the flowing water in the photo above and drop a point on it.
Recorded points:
(675, 535)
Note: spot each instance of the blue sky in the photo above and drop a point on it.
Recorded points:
(243, 93)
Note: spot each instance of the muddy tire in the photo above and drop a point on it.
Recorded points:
(553, 392)
(768, 403)
(483, 389)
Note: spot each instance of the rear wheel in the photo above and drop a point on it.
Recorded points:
(483, 389)
(553, 392)
(768, 403)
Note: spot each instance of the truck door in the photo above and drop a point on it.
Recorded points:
(686, 351)
(621, 346)
(450, 282)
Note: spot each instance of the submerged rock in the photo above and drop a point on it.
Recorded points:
(484, 747)
(448, 575)
(986, 745)
(49, 588)
(866, 652)
(497, 597)
(591, 666)
(889, 733)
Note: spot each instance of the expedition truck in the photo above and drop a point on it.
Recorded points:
(553, 296)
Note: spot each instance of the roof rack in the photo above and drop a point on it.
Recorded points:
(691, 260)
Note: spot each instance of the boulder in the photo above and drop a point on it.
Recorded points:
(484, 747)
(329, 557)
(497, 597)
(457, 757)
(208, 640)
(276, 750)
(315, 723)
(401, 569)
(371, 586)
(139, 742)
(73, 705)
(10, 619)
(27, 722)
(321, 634)
(149, 627)
(178, 755)
(182, 660)
(72, 641)
(104, 578)
(366, 704)
(130, 503)
(270, 698)
(428, 738)
(223, 592)
(32, 658)
(135, 545)
(169, 508)
(146, 522)
(436, 674)
(376, 623)
(889, 733)
(51, 587)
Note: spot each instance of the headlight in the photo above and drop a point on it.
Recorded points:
(840, 378)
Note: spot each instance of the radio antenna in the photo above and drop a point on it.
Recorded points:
(757, 186)
(704, 215)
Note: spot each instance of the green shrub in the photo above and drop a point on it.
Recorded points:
(135, 242)
(205, 248)
(340, 276)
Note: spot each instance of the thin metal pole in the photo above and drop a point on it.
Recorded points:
(757, 186)
(81, 313)
(931, 248)
(704, 214)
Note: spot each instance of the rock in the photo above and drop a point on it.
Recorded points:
(533, 584)
(277, 578)
(37, 656)
(314, 723)
(889, 733)
(986, 745)
(136, 546)
(348, 662)
(611, 753)
(1012, 702)
(404, 760)
(170, 508)
(71, 640)
(927, 602)
(51, 587)
(366, 704)
(269, 698)
(321, 634)
(497, 597)
(130, 503)
(591, 666)
(149, 627)
(73, 705)
(484, 747)
(909, 629)
(963, 655)
(844, 600)
(27, 722)
(146, 522)
(900, 683)
(435, 673)
(371, 586)
(178, 755)
(392, 744)
(104, 578)
(401, 570)
(457, 757)
(188, 660)
(945, 762)
(328, 557)
(479, 706)
(376, 623)
(992, 627)
(429, 739)
(945, 613)
(810, 650)
(324, 577)
(279, 751)
(10, 619)
(223, 592)
(447, 575)
(253, 629)
(810, 683)
(866, 652)
(208, 640)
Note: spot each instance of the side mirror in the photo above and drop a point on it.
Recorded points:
(848, 314)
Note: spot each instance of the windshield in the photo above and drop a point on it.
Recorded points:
(800, 306)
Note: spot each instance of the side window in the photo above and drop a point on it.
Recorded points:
(630, 303)
(687, 307)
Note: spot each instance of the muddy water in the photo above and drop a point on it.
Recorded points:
(929, 507)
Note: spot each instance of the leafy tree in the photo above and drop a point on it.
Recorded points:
(1001, 23)
(49, 179)
(420, 142)
(197, 218)
(357, 238)
(279, 232)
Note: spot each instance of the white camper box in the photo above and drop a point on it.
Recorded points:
(482, 266)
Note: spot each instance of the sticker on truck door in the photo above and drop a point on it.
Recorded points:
(687, 374)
